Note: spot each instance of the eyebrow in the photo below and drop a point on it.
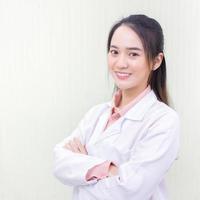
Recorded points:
(129, 48)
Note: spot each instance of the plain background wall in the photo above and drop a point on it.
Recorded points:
(53, 69)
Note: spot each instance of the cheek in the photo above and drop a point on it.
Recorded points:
(143, 73)
(142, 66)
(140, 71)
(110, 62)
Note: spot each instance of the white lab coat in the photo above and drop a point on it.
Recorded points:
(143, 144)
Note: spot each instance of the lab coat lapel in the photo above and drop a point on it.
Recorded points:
(113, 129)
(136, 113)
(99, 134)
(103, 117)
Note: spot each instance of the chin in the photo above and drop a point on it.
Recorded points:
(124, 87)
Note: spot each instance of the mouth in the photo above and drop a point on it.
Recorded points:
(122, 75)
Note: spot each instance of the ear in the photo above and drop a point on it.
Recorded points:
(157, 61)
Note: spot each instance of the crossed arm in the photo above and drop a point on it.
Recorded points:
(75, 146)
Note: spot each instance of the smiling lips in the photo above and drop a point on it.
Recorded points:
(122, 75)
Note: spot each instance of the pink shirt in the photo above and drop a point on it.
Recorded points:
(101, 171)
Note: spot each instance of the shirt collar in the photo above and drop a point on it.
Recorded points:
(117, 99)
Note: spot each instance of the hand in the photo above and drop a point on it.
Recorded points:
(113, 170)
(75, 146)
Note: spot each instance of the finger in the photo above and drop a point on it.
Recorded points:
(74, 147)
(85, 150)
(67, 146)
(80, 146)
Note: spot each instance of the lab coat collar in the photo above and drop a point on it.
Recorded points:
(138, 111)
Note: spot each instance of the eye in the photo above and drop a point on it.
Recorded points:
(113, 52)
(132, 54)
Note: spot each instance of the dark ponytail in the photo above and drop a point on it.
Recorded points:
(157, 81)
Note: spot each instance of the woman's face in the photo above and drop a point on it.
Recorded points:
(127, 61)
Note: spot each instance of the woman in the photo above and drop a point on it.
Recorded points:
(122, 149)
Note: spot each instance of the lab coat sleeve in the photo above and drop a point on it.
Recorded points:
(69, 167)
(150, 160)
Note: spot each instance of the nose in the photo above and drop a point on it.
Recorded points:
(121, 62)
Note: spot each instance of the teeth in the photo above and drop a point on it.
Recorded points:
(123, 74)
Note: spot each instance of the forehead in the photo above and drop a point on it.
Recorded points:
(124, 36)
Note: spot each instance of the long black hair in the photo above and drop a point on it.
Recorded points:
(151, 35)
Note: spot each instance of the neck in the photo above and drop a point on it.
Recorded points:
(129, 95)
